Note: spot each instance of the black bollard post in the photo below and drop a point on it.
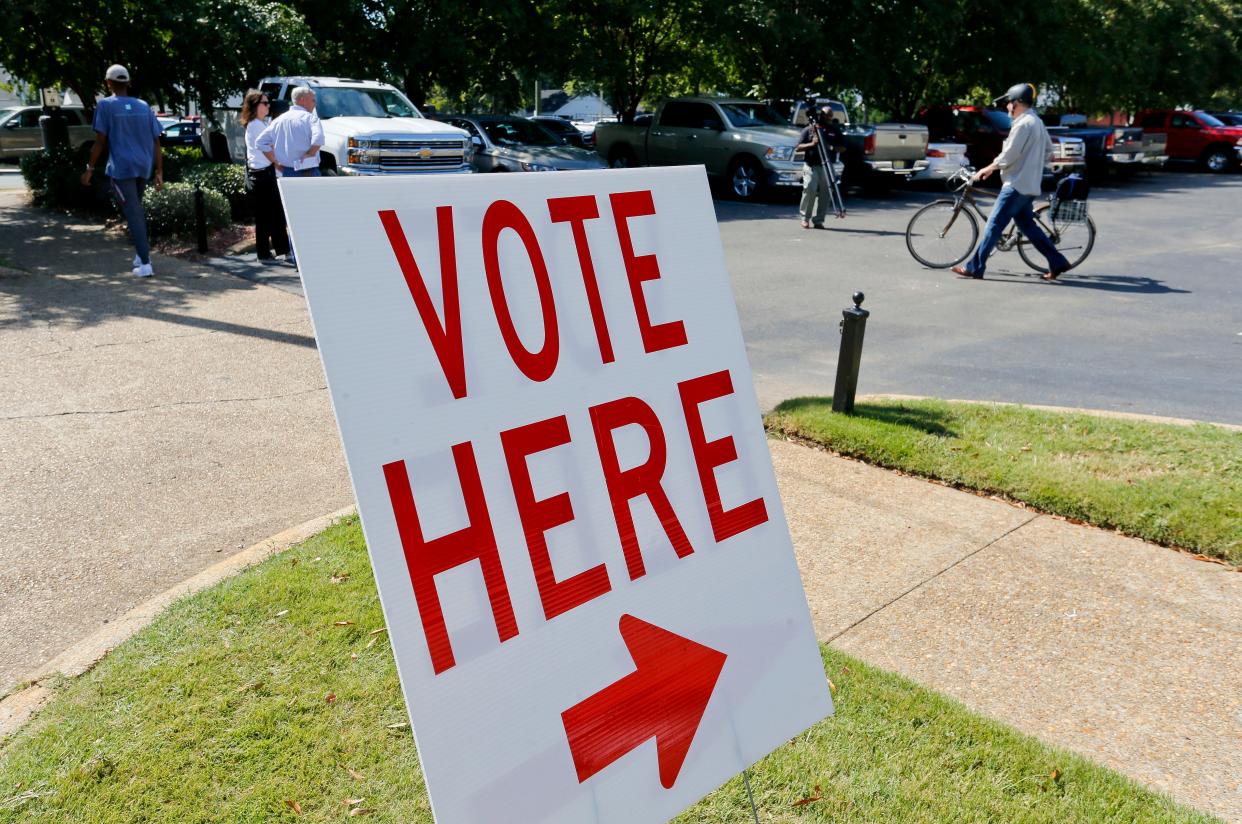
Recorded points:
(200, 219)
(853, 326)
(54, 128)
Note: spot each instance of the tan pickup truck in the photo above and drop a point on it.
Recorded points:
(877, 153)
(743, 143)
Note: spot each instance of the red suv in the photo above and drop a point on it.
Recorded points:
(1195, 135)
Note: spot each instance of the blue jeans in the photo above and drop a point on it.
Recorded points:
(289, 171)
(1015, 206)
(127, 192)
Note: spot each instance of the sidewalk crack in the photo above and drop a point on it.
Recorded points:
(208, 402)
(934, 576)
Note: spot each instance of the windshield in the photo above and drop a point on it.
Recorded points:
(335, 101)
(743, 115)
(4, 114)
(1208, 120)
(558, 126)
(518, 133)
(999, 120)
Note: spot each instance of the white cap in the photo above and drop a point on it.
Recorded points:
(118, 73)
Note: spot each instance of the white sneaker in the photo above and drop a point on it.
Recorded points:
(143, 270)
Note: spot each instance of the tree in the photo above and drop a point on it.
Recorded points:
(176, 50)
(631, 49)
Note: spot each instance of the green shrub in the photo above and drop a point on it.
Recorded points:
(178, 158)
(229, 179)
(54, 179)
(170, 211)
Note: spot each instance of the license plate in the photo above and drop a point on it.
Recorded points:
(899, 164)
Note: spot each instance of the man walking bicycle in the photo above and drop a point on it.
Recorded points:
(1021, 162)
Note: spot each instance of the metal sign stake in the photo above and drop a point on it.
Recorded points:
(753, 809)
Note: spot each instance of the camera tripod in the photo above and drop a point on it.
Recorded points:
(834, 188)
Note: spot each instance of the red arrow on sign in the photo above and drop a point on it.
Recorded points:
(665, 696)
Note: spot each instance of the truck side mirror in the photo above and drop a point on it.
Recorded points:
(477, 141)
(713, 124)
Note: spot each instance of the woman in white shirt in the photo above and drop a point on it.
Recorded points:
(270, 239)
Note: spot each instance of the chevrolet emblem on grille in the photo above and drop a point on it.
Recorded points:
(424, 153)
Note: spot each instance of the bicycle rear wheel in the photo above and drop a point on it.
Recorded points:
(1073, 239)
(942, 234)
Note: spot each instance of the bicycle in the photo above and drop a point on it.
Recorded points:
(944, 232)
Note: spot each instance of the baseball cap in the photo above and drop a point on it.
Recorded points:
(118, 73)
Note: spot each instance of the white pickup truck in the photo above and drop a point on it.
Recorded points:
(370, 128)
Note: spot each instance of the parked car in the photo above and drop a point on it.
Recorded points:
(517, 144)
(1195, 136)
(1109, 148)
(983, 131)
(587, 130)
(874, 154)
(742, 142)
(181, 133)
(943, 161)
(20, 132)
(563, 129)
(370, 128)
(1228, 118)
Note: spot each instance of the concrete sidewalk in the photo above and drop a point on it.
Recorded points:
(146, 427)
(1120, 650)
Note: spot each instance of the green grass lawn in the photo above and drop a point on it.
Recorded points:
(1175, 485)
(275, 692)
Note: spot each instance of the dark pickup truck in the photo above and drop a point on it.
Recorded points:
(983, 131)
(1108, 147)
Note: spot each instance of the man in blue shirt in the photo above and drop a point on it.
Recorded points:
(126, 128)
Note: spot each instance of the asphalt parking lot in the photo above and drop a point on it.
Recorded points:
(1150, 323)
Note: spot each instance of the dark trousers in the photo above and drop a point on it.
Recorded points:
(269, 216)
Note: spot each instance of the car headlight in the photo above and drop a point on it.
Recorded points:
(361, 158)
(779, 152)
(537, 167)
(355, 143)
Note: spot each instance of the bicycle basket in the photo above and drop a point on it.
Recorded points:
(1069, 211)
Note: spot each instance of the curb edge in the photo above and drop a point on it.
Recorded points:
(18, 707)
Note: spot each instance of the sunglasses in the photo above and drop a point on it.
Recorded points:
(265, 103)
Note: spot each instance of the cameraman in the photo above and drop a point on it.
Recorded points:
(815, 185)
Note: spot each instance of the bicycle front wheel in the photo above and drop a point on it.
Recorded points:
(1073, 239)
(942, 234)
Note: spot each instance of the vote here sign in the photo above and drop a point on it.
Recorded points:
(564, 484)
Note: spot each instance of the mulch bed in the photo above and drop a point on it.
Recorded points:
(221, 242)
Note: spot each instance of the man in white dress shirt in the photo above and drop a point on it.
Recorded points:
(294, 139)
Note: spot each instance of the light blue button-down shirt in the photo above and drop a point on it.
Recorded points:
(290, 137)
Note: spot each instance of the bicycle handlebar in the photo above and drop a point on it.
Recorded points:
(962, 178)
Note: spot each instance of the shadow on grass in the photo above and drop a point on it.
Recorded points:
(931, 421)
